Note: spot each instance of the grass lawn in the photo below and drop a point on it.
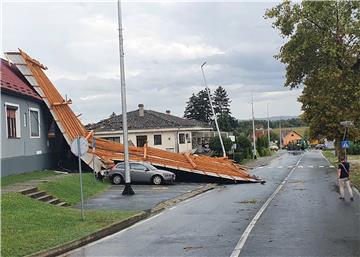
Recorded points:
(354, 167)
(12, 179)
(29, 226)
(68, 188)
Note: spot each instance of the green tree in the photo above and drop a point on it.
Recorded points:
(322, 54)
(198, 107)
(215, 145)
(221, 102)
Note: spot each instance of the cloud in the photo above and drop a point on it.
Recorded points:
(164, 44)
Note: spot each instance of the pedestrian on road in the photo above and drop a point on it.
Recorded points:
(344, 178)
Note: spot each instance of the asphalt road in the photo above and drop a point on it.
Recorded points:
(146, 196)
(305, 218)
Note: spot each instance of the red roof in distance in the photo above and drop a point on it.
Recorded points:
(12, 80)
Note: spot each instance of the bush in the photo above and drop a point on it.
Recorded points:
(354, 148)
(215, 145)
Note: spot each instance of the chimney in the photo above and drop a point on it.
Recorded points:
(141, 110)
(168, 112)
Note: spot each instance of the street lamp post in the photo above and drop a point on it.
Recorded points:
(253, 126)
(127, 190)
(268, 123)
(212, 109)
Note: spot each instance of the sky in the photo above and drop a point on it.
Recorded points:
(164, 43)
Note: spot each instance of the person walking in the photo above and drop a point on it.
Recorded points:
(344, 178)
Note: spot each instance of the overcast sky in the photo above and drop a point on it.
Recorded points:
(165, 44)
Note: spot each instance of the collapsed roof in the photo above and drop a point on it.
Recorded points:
(107, 152)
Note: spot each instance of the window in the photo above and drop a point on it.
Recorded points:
(137, 166)
(12, 120)
(120, 165)
(34, 118)
(141, 141)
(181, 138)
(157, 140)
(115, 139)
(187, 138)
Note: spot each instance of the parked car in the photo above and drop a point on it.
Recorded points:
(140, 172)
(320, 146)
(274, 147)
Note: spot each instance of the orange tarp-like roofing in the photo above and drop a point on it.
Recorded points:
(108, 151)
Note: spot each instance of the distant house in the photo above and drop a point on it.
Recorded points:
(27, 127)
(159, 130)
(289, 137)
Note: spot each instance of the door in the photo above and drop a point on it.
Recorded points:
(139, 173)
(141, 141)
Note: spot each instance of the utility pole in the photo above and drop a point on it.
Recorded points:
(127, 190)
(212, 109)
(268, 123)
(280, 138)
(253, 125)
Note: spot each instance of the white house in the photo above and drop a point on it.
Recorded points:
(159, 130)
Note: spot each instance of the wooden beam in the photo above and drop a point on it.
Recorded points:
(145, 151)
(62, 103)
(188, 158)
(89, 134)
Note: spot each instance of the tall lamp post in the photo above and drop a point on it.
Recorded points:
(127, 190)
(268, 123)
(346, 124)
(212, 109)
(253, 126)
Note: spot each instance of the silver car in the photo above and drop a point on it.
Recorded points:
(140, 172)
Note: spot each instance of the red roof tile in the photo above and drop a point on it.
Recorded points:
(12, 80)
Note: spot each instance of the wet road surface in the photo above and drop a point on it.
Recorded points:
(212, 223)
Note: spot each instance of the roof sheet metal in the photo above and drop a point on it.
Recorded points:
(107, 151)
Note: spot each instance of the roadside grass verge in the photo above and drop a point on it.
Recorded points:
(354, 165)
(12, 179)
(29, 226)
(68, 188)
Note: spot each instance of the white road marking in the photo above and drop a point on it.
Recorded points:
(310, 166)
(290, 166)
(280, 167)
(245, 235)
(331, 166)
(300, 166)
(321, 166)
(260, 167)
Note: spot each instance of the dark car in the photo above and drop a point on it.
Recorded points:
(140, 172)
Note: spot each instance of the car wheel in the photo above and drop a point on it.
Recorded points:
(117, 179)
(157, 180)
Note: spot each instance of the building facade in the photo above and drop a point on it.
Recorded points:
(25, 125)
(159, 130)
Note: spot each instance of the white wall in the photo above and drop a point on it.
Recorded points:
(169, 140)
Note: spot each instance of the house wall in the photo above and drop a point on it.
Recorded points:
(24, 154)
(290, 137)
(170, 139)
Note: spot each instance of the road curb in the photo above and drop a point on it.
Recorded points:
(118, 226)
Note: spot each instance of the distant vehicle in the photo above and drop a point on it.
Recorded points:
(140, 172)
(320, 146)
(274, 147)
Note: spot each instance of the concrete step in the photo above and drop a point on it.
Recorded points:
(29, 190)
(37, 194)
(45, 198)
(54, 201)
(63, 204)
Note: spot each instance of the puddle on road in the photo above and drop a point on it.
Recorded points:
(253, 201)
(188, 248)
(295, 152)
